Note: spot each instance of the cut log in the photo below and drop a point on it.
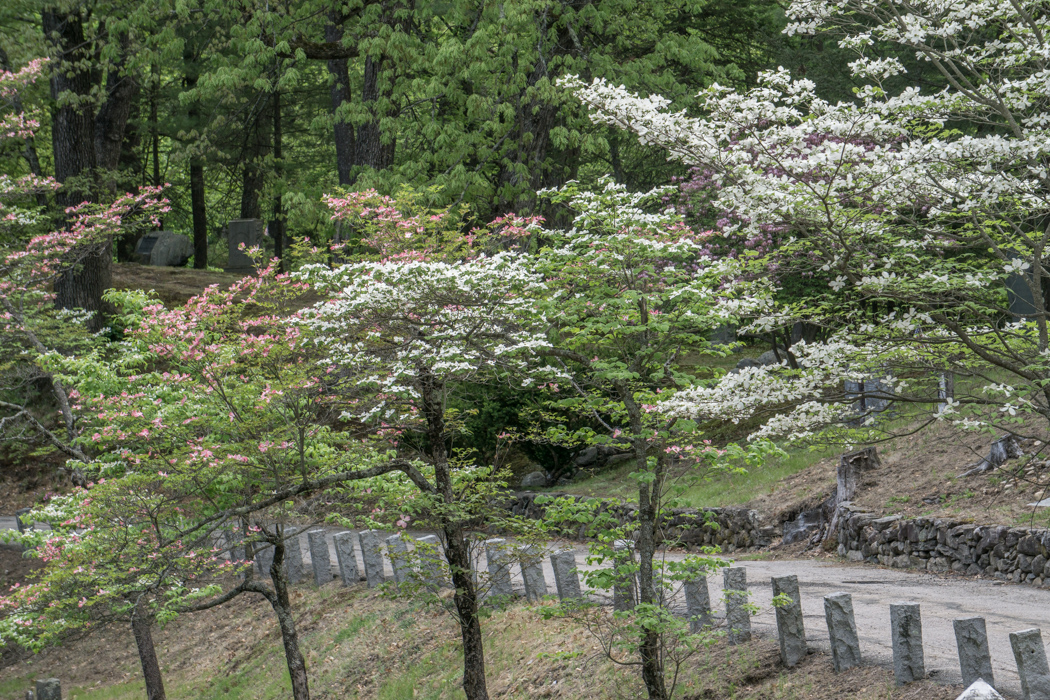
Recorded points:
(1006, 447)
(852, 466)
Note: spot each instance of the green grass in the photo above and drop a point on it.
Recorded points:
(716, 491)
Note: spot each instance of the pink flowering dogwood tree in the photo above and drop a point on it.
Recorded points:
(32, 258)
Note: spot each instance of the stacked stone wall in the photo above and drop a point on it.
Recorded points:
(731, 529)
(1014, 554)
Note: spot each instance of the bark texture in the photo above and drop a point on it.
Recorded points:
(457, 548)
(141, 627)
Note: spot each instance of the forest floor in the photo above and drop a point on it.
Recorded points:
(359, 644)
(174, 285)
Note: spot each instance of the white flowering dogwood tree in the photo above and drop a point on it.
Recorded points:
(632, 301)
(912, 207)
(401, 335)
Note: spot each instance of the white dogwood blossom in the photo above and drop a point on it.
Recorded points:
(910, 223)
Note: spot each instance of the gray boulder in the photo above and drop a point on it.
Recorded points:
(534, 480)
(586, 457)
(164, 249)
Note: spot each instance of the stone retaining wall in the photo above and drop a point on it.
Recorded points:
(731, 529)
(935, 544)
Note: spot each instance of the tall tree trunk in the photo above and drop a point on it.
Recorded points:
(457, 549)
(111, 126)
(72, 120)
(343, 131)
(371, 152)
(73, 145)
(277, 225)
(200, 213)
(111, 120)
(141, 627)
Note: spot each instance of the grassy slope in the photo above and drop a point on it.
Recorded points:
(359, 645)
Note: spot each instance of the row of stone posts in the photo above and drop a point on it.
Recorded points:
(500, 559)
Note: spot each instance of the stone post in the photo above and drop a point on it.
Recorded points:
(697, 604)
(790, 629)
(842, 628)
(49, 689)
(344, 554)
(906, 631)
(293, 555)
(975, 659)
(499, 568)
(624, 595)
(264, 558)
(398, 550)
(1031, 664)
(320, 557)
(430, 560)
(566, 579)
(532, 574)
(373, 557)
(738, 620)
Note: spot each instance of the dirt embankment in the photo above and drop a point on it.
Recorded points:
(919, 476)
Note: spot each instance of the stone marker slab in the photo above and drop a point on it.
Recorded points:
(790, 628)
(979, 690)
(499, 567)
(1030, 655)
(842, 629)
(624, 588)
(566, 579)
(532, 574)
(430, 560)
(975, 659)
(398, 550)
(320, 558)
(49, 689)
(697, 604)
(264, 558)
(293, 555)
(246, 231)
(906, 632)
(738, 619)
(373, 557)
(344, 554)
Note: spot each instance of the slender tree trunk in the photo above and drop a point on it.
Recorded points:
(343, 131)
(650, 646)
(154, 124)
(282, 607)
(198, 204)
(200, 213)
(141, 627)
(277, 226)
(457, 549)
(254, 152)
